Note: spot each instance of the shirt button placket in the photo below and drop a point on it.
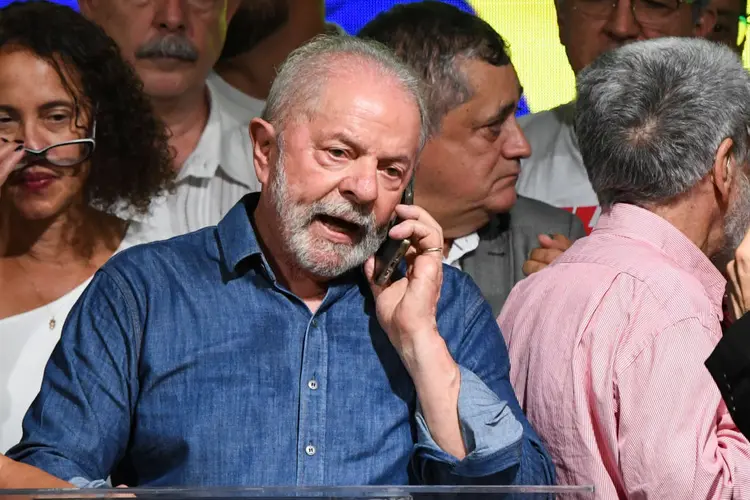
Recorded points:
(312, 395)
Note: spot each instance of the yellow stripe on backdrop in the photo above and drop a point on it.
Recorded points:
(530, 27)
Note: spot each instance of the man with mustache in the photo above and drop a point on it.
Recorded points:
(259, 37)
(554, 173)
(261, 351)
(608, 343)
(173, 45)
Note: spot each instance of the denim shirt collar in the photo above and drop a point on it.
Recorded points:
(236, 234)
(238, 242)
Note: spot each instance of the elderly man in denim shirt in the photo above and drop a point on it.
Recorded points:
(261, 351)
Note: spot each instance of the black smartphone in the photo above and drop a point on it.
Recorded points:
(392, 251)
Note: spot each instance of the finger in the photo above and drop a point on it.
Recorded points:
(545, 255)
(422, 236)
(11, 154)
(415, 212)
(531, 266)
(369, 269)
(557, 241)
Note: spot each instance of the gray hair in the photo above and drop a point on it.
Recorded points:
(302, 76)
(651, 115)
(434, 39)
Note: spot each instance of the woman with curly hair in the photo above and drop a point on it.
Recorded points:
(81, 153)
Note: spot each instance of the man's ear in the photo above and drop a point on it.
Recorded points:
(724, 169)
(265, 147)
(561, 20)
(87, 7)
(706, 22)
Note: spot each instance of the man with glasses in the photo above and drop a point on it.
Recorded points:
(731, 23)
(555, 173)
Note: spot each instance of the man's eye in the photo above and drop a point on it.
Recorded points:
(720, 28)
(393, 172)
(337, 153)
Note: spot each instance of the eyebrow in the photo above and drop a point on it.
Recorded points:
(55, 104)
(504, 112)
(357, 146)
(44, 107)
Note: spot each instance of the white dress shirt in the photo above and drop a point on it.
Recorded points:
(461, 246)
(213, 178)
(243, 107)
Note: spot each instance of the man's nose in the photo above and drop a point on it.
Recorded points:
(360, 185)
(171, 15)
(622, 24)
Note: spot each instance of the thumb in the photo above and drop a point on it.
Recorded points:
(369, 269)
(556, 241)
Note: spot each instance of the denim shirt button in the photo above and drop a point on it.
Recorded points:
(314, 323)
(313, 385)
(310, 450)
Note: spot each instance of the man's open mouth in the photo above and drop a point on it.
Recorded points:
(339, 225)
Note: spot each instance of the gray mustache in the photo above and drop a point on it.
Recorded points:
(170, 46)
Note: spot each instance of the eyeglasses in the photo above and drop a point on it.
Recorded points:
(652, 13)
(62, 154)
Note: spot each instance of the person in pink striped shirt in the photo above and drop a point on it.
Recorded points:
(608, 343)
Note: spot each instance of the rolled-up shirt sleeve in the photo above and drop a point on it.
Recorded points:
(492, 435)
(502, 447)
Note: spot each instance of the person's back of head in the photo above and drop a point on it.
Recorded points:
(657, 119)
(469, 169)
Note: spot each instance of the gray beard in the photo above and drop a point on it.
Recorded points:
(320, 257)
(736, 222)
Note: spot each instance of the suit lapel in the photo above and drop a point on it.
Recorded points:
(491, 264)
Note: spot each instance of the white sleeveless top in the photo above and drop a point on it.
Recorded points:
(26, 343)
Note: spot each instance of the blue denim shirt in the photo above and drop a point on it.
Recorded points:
(185, 363)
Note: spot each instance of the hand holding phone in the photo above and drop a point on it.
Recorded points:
(406, 305)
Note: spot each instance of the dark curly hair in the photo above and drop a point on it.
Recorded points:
(132, 161)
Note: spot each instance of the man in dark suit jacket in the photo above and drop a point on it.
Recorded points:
(467, 172)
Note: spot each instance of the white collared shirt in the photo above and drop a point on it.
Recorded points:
(461, 247)
(213, 178)
(243, 107)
